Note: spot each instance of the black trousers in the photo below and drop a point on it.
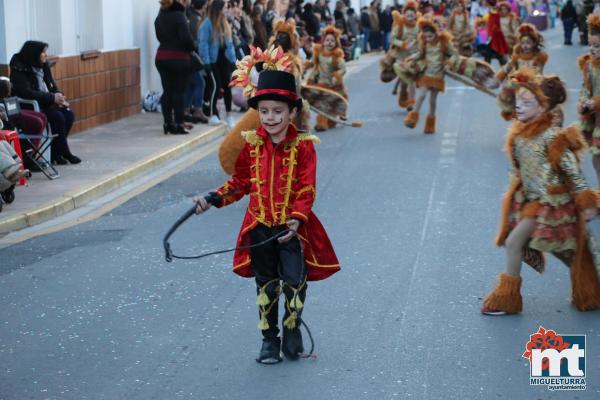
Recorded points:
(60, 120)
(218, 78)
(489, 54)
(568, 26)
(276, 261)
(175, 77)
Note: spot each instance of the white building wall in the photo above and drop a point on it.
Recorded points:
(116, 24)
(68, 28)
(15, 27)
(143, 16)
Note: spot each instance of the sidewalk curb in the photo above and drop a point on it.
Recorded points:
(76, 199)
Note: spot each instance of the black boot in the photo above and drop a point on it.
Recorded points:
(268, 307)
(270, 351)
(73, 159)
(292, 346)
(168, 128)
(179, 130)
(58, 160)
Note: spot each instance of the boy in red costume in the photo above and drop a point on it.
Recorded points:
(277, 168)
(498, 46)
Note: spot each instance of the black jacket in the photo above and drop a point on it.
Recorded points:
(172, 30)
(386, 20)
(365, 21)
(568, 12)
(25, 83)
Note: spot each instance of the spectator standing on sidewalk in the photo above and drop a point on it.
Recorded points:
(339, 15)
(215, 45)
(365, 26)
(375, 37)
(311, 20)
(32, 79)
(584, 8)
(260, 32)
(386, 26)
(568, 15)
(195, 91)
(353, 23)
(268, 16)
(173, 62)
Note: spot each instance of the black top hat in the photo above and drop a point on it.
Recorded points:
(276, 85)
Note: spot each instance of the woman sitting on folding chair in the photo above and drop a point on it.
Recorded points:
(32, 79)
(27, 121)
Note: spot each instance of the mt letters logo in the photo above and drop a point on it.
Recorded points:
(556, 361)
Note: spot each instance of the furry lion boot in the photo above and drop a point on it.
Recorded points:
(506, 296)
(412, 119)
(429, 124)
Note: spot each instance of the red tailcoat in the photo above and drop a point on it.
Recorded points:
(281, 183)
(497, 39)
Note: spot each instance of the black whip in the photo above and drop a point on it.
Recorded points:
(215, 199)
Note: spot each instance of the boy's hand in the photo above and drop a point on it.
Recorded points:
(293, 225)
(203, 205)
(590, 213)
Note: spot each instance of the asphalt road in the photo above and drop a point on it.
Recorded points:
(94, 312)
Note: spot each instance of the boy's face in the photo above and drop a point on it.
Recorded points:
(329, 42)
(275, 116)
(594, 41)
(410, 16)
(527, 105)
(527, 44)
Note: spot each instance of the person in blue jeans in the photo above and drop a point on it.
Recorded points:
(215, 46)
(568, 15)
(194, 96)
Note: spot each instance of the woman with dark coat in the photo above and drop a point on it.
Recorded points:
(31, 79)
(173, 62)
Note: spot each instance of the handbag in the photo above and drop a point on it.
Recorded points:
(196, 63)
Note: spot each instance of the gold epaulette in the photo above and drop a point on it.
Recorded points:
(309, 136)
(251, 137)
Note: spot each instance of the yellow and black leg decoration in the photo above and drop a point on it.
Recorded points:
(292, 346)
(268, 304)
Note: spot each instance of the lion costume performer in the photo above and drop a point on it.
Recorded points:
(528, 53)
(547, 203)
(588, 105)
(437, 57)
(403, 44)
(463, 34)
(328, 70)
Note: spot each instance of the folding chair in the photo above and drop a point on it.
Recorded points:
(38, 152)
(12, 138)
